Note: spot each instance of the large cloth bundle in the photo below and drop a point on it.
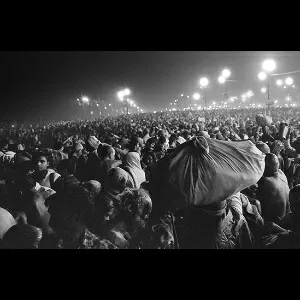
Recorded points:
(263, 120)
(203, 171)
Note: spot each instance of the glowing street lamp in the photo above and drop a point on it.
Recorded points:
(222, 79)
(289, 81)
(269, 65)
(226, 73)
(279, 82)
(122, 94)
(127, 92)
(196, 96)
(262, 76)
(85, 99)
(250, 94)
(263, 90)
(203, 84)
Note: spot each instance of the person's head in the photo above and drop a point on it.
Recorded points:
(148, 159)
(68, 212)
(172, 140)
(59, 146)
(118, 179)
(277, 147)
(42, 161)
(66, 167)
(93, 186)
(92, 143)
(256, 137)
(77, 148)
(297, 146)
(136, 206)
(271, 165)
(135, 144)
(150, 144)
(146, 131)
(107, 152)
(294, 198)
(23, 236)
(263, 147)
(132, 160)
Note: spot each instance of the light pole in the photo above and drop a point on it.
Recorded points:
(122, 95)
(268, 66)
(83, 100)
(223, 80)
(203, 84)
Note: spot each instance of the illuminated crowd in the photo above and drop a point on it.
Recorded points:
(88, 184)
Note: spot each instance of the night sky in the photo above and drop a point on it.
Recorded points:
(47, 83)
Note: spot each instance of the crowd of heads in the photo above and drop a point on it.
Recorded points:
(85, 183)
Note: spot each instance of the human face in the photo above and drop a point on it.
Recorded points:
(42, 163)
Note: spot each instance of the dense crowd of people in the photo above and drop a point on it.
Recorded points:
(87, 184)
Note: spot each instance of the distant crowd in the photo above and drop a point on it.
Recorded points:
(88, 184)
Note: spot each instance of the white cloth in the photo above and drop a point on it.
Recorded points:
(6, 221)
(46, 181)
(132, 163)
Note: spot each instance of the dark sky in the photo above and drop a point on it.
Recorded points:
(49, 82)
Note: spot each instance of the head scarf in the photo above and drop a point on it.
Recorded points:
(132, 164)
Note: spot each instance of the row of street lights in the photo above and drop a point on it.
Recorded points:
(122, 96)
(268, 66)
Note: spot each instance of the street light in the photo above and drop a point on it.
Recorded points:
(269, 65)
(121, 94)
(289, 81)
(127, 92)
(226, 73)
(222, 79)
(263, 90)
(279, 82)
(250, 94)
(196, 96)
(262, 76)
(203, 84)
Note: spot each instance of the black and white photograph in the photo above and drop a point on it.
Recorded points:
(162, 150)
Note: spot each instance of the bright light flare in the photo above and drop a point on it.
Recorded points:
(204, 82)
(85, 99)
(226, 73)
(120, 95)
(196, 96)
(127, 92)
(262, 75)
(289, 81)
(222, 79)
(250, 94)
(279, 82)
(269, 65)
(263, 90)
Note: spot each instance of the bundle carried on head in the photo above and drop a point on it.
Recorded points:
(263, 120)
(204, 171)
